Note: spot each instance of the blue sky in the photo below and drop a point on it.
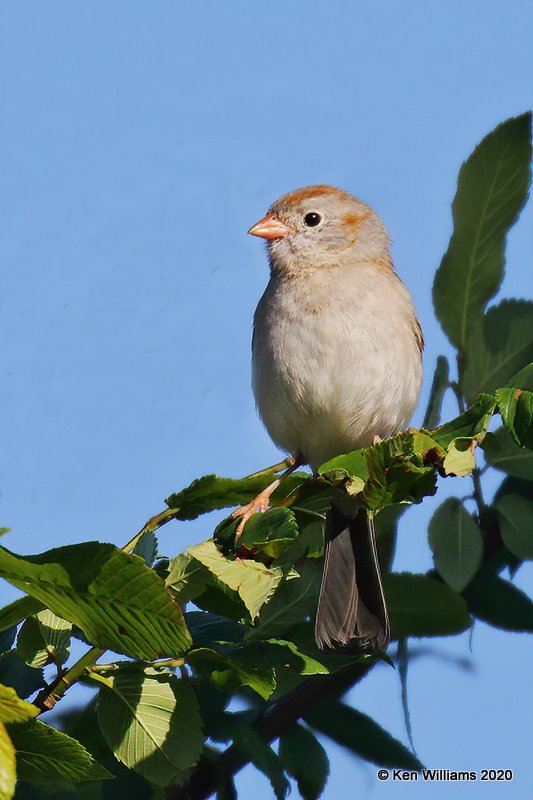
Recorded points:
(139, 143)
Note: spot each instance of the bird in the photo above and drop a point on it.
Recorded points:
(336, 366)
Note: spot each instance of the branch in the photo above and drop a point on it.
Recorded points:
(270, 725)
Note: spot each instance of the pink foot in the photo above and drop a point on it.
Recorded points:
(259, 503)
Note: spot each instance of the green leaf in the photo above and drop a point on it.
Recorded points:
(305, 760)
(502, 453)
(206, 628)
(253, 581)
(44, 638)
(441, 382)
(423, 606)
(114, 598)
(491, 190)
(13, 709)
(18, 610)
(501, 344)
(265, 536)
(7, 638)
(15, 673)
(398, 472)
(456, 543)
(516, 410)
(210, 493)
(499, 603)
(515, 514)
(151, 722)
(294, 600)
(45, 755)
(471, 424)
(8, 773)
(146, 548)
(246, 739)
(523, 379)
(227, 674)
(361, 735)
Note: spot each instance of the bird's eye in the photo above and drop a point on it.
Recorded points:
(312, 219)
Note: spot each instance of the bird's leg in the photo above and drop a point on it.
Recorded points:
(377, 439)
(260, 503)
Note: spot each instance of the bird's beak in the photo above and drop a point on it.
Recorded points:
(270, 227)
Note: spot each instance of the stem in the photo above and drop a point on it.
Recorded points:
(454, 386)
(48, 697)
(478, 492)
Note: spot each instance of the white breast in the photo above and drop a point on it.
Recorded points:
(335, 360)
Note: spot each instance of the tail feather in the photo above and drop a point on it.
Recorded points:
(351, 613)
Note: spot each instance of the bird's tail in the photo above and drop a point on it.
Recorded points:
(351, 613)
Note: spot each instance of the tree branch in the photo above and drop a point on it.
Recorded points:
(270, 725)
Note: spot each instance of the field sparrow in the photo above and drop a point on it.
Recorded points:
(336, 363)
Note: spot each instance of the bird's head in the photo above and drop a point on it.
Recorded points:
(320, 226)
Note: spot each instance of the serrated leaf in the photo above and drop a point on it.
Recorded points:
(227, 674)
(12, 708)
(15, 673)
(114, 598)
(246, 738)
(440, 383)
(8, 773)
(499, 603)
(397, 470)
(515, 514)
(305, 760)
(210, 492)
(44, 638)
(501, 344)
(45, 755)
(266, 536)
(293, 601)
(18, 610)
(516, 410)
(151, 722)
(254, 582)
(361, 735)
(423, 606)
(472, 424)
(502, 453)
(491, 190)
(456, 543)
(146, 548)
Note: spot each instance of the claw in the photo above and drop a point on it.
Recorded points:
(259, 503)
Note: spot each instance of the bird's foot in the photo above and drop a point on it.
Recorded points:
(377, 439)
(259, 503)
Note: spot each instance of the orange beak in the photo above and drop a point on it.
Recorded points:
(270, 227)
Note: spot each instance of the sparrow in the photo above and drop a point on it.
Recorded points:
(337, 365)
